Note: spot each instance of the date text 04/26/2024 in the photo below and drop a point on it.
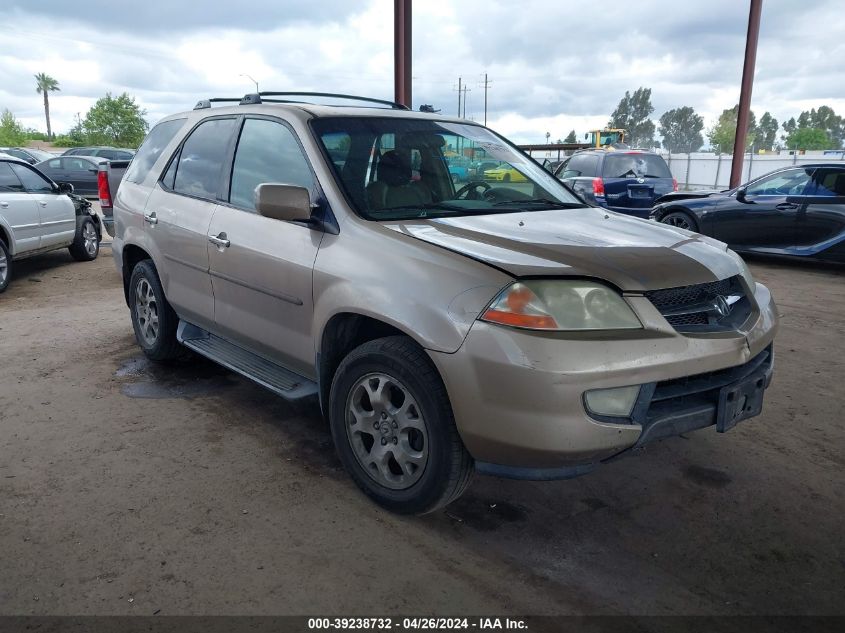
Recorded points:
(417, 624)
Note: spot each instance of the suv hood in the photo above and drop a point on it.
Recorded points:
(633, 254)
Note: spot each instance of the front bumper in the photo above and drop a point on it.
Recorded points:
(517, 396)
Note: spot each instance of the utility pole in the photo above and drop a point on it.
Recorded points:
(486, 85)
(459, 96)
(745, 91)
(466, 89)
(402, 52)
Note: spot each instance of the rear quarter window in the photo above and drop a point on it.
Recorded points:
(151, 149)
(635, 166)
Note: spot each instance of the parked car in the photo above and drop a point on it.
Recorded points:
(504, 173)
(797, 211)
(624, 181)
(111, 153)
(442, 328)
(27, 154)
(37, 215)
(80, 171)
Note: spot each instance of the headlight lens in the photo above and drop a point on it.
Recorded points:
(561, 305)
(743, 269)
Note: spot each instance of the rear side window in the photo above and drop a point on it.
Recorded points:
(829, 182)
(32, 181)
(581, 165)
(635, 166)
(151, 149)
(8, 180)
(201, 159)
(267, 152)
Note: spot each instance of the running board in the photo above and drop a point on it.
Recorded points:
(276, 378)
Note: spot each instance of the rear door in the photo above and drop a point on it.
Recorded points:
(634, 180)
(578, 172)
(57, 215)
(18, 212)
(262, 277)
(768, 215)
(179, 211)
(823, 217)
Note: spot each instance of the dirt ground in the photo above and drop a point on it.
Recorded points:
(127, 488)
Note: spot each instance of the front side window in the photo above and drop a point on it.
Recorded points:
(8, 180)
(151, 149)
(32, 181)
(829, 183)
(396, 168)
(201, 160)
(790, 182)
(267, 152)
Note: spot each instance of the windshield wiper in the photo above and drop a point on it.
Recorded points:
(551, 203)
(428, 205)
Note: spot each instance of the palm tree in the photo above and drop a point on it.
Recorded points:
(44, 84)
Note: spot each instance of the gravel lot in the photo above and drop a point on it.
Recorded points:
(127, 488)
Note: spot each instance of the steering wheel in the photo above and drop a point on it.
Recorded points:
(470, 190)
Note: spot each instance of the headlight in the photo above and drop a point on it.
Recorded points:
(743, 269)
(561, 305)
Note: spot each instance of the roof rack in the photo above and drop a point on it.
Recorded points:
(257, 97)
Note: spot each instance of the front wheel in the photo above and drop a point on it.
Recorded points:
(393, 427)
(681, 220)
(86, 244)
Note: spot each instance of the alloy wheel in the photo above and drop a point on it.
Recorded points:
(89, 237)
(678, 221)
(387, 432)
(4, 267)
(146, 311)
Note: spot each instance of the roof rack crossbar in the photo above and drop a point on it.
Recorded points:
(335, 95)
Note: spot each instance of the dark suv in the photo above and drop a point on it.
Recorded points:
(627, 181)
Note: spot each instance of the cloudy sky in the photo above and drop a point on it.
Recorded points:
(554, 65)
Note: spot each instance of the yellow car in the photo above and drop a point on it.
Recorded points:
(504, 173)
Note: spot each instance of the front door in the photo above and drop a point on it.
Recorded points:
(57, 217)
(767, 215)
(82, 174)
(261, 268)
(178, 214)
(19, 212)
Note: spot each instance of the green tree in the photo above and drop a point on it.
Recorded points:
(632, 115)
(45, 84)
(767, 132)
(570, 138)
(810, 138)
(115, 121)
(723, 134)
(11, 130)
(824, 119)
(681, 130)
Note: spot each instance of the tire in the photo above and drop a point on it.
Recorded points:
(86, 243)
(153, 320)
(413, 415)
(681, 220)
(5, 266)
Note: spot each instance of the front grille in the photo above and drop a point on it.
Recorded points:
(712, 306)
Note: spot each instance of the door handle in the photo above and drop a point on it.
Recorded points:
(4, 205)
(786, 206)
(42, 203)
(151, 218)
(219, 240)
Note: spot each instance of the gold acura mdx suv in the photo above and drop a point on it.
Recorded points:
(326, 251)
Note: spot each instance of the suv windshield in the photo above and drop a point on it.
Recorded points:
(394, 169)
(635, 165)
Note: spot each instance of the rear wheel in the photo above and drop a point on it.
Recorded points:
(153, 320)
(5, 266)
(393, 427)
(86, 244)
(681, 220)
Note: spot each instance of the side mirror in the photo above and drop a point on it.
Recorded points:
(65, 187)
(283, 202)
(740, 194)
